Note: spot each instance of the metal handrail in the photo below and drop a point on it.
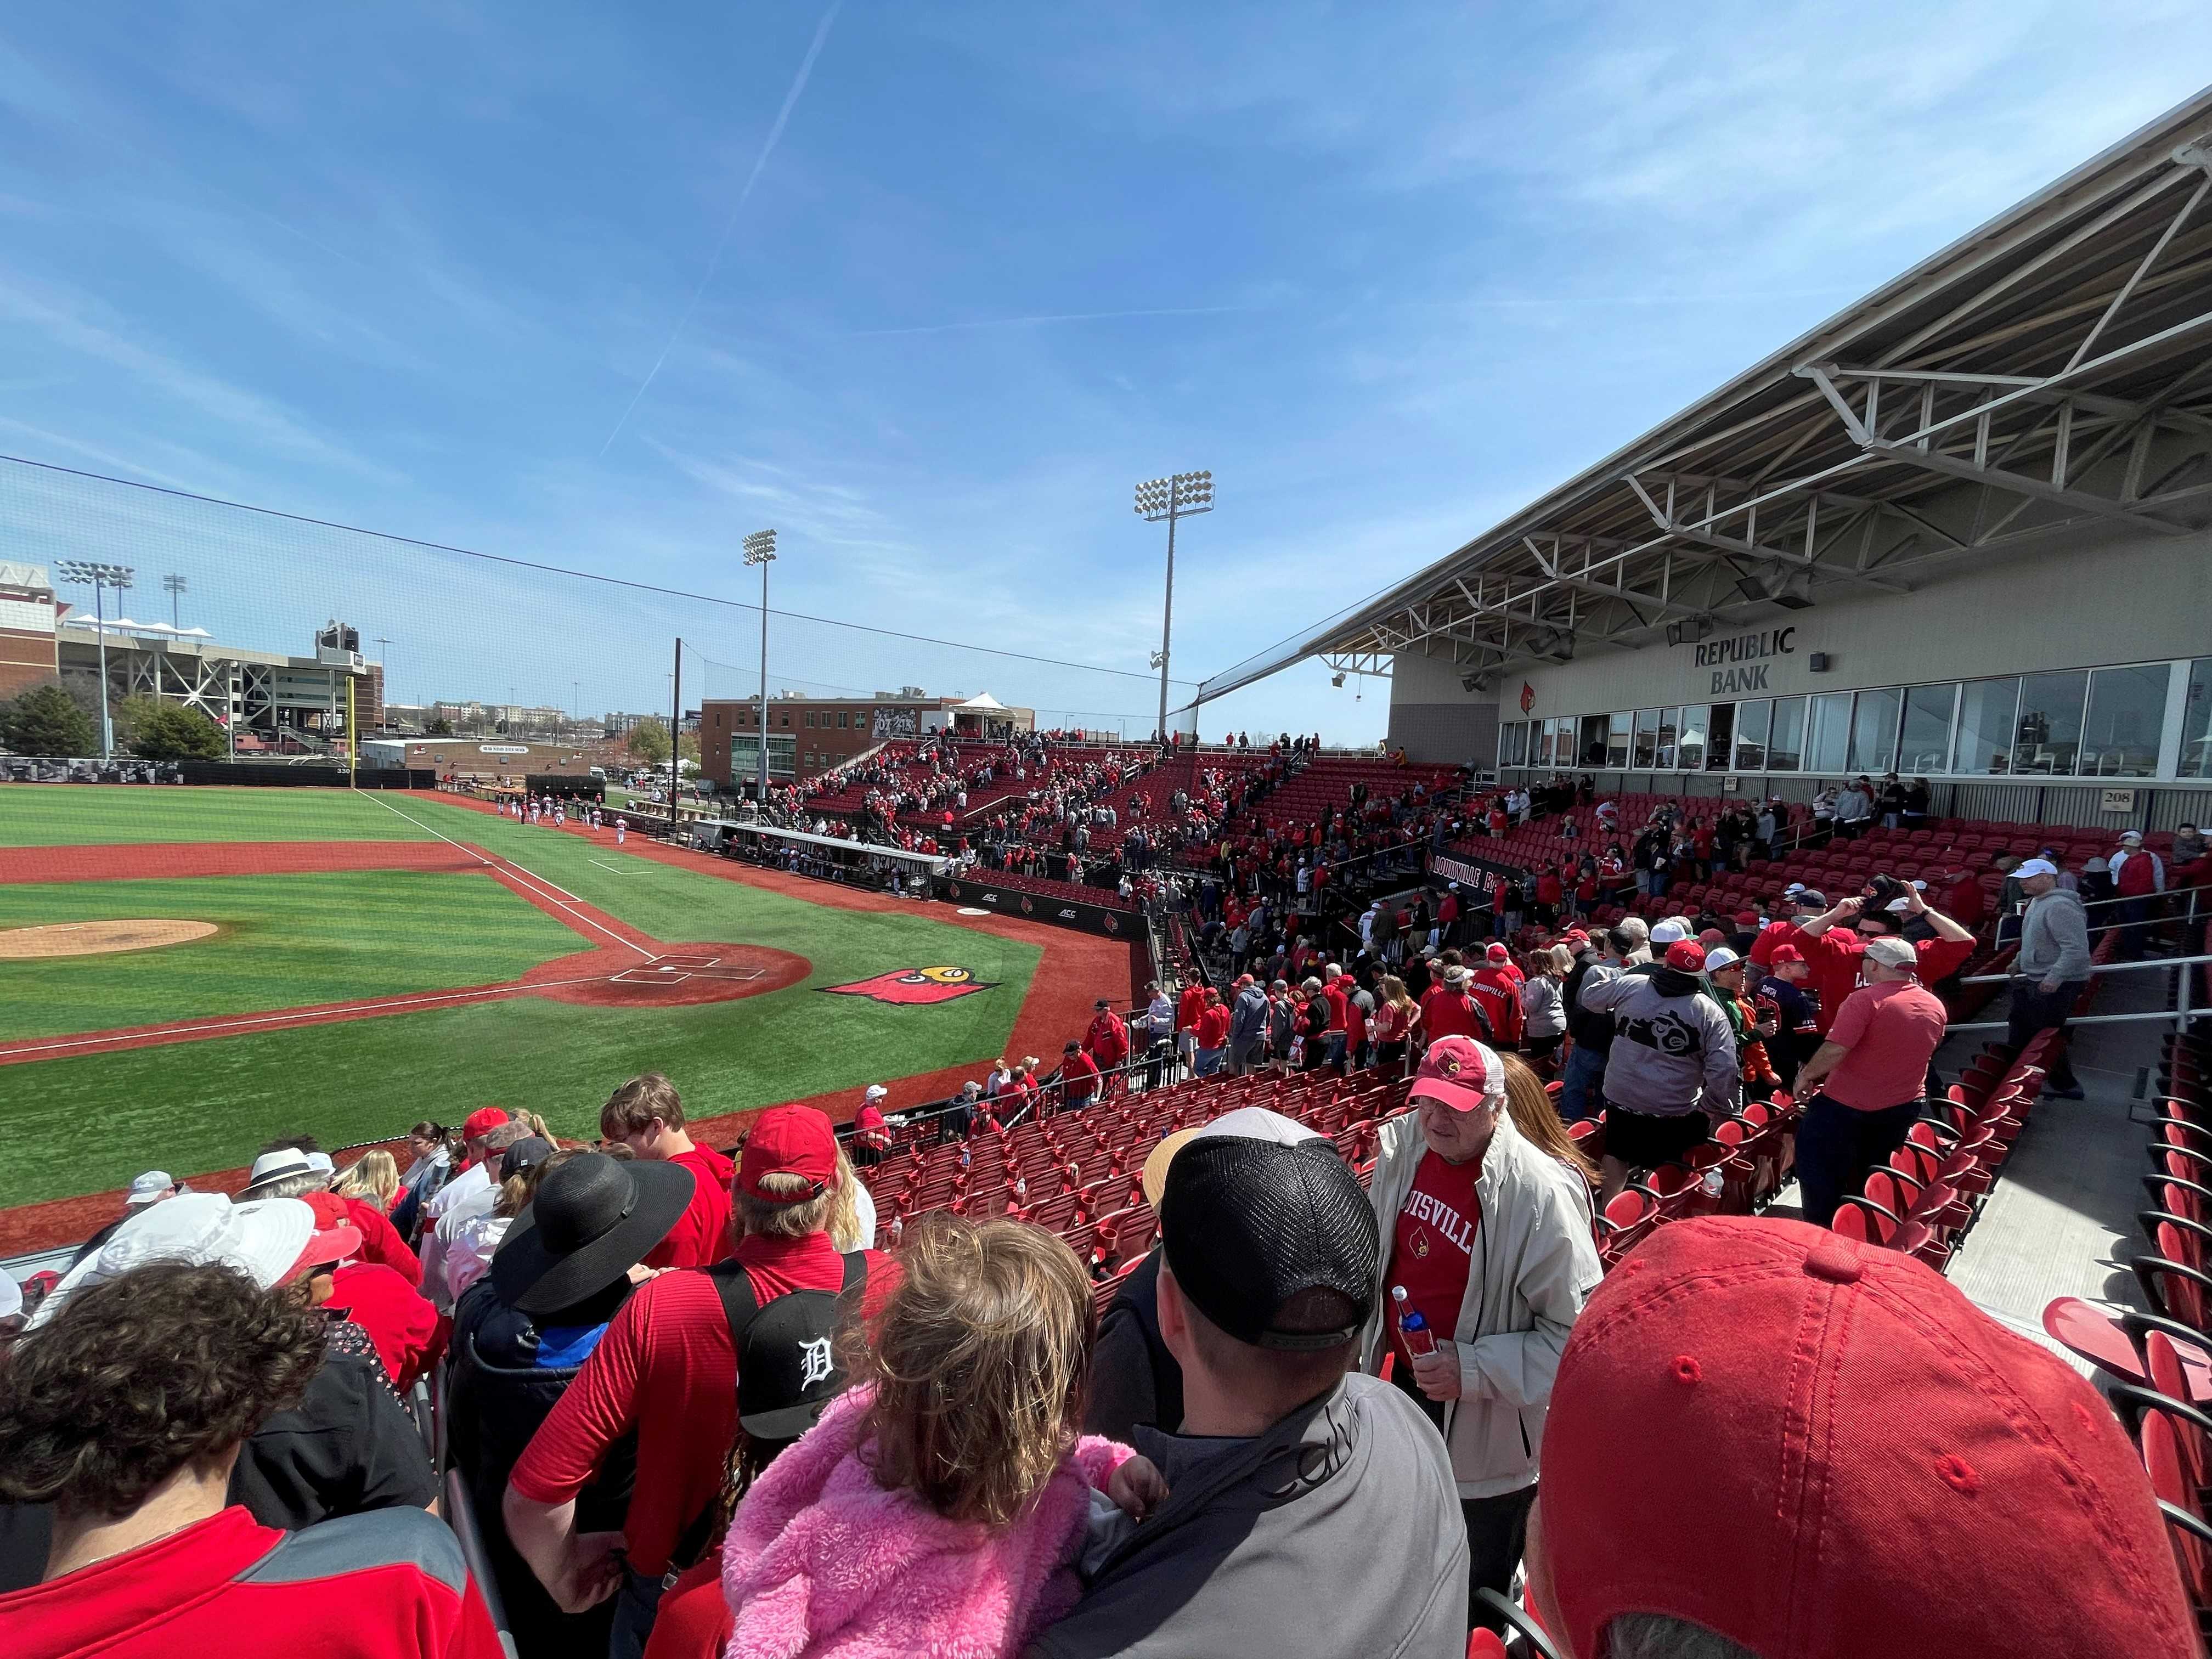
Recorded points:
(2095, 968)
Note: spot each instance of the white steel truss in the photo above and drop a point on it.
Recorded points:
(2050, 371)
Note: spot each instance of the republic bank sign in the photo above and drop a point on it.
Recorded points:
(1742, 664)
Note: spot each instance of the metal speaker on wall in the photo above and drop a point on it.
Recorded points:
(1817, 662)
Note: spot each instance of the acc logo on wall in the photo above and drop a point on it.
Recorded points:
(907, 986)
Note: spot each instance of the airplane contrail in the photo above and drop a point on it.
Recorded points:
(1053, 317)
(783, 116)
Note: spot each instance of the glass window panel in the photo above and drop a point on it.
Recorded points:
(1520, 743)
(1590, 741)
(1874, 732)
(1647, 738)
(1827, 741)
(1563, 742)
(1785, 745)
(1926, 744)
(1720, 738)
(1670, 732)
(1616, 739)
(2196, 757)
(2127, 717)
(1752, 719)
(1986, 726)
(1693, 747)
(2050, 735)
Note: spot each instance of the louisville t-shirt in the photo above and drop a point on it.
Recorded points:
(1891, 1031)
(388, 1584)
(666, 1369)
(1433, 1244)
(701, 1237)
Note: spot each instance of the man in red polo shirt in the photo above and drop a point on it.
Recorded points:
(1834, 952)
(126, 1412)
(646, 1116)
(667, 1371)
(1869, 1075)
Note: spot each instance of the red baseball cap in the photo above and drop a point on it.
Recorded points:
(1748, 918)
(482, 1121)
(335, 1238)
(1461, 1073)
(789, 1140)
(1574, 936)
(1781, 953)
(1498, 953)
(1893, 1472)
(1687, 954)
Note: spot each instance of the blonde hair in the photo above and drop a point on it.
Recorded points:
(844, 1224)
(793, 1217)
(979, 1360)
(1538, 1120)
(518, 1189)
(373, 1175)
(1394, 992)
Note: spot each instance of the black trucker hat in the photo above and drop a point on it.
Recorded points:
(1248, 1225)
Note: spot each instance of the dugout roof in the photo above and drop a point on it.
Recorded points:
(2050, 369)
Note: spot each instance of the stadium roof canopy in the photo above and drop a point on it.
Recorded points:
(2051, 368)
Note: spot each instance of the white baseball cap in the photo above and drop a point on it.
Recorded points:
(145, 1188)
(876, 1091)
(1720, 956)
(1892, 953)
(1668, 931)
(2034, 867)
(2130, 834)
(321, 1164)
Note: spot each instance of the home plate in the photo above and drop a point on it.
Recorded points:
(676, 969)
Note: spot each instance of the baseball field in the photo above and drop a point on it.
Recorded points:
(186, 972)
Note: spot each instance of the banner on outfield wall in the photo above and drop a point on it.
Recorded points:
(1044, 907)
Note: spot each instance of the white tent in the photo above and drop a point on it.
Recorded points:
(982, 703)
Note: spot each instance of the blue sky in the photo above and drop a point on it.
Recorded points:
(610, 287)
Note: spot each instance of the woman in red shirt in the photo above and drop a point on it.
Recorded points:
(1396, 1018)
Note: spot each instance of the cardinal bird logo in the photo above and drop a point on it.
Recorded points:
(909, 987)
(1528, 696)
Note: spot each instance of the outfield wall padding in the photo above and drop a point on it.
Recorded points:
(1113, 923)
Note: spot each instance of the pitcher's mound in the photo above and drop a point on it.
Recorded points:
(95, 938)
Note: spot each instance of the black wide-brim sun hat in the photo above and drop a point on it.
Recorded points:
(591, 1221)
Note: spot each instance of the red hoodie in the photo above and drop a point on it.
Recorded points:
(701, 1237)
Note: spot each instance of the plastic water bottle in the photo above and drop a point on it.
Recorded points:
(1412, 1329)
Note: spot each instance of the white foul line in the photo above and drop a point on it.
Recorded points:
(512, 868)
(299, 1016)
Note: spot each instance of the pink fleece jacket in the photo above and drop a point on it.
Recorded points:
(822, 1561)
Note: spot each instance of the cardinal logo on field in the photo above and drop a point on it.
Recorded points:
(910, 986)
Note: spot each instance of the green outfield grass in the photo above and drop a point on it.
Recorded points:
(76, 815)
(285, 940)
(194, 1107)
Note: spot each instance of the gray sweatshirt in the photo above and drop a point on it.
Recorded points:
(2054, 938)
(1673, 1050)
(1270, 1545)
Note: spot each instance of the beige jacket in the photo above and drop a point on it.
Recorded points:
(1535, 1264)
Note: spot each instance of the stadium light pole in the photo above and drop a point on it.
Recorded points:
(97, 575)
(760, 550)
(1184, 495)
(173, 586)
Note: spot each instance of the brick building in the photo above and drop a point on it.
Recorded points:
(27, 628)
(809, 736)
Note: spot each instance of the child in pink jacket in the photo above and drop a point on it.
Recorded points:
(940, 1503)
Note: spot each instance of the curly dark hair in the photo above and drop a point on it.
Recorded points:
(135, 1378)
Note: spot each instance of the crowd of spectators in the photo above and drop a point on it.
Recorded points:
(695, 1403)
(1322, 1410)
